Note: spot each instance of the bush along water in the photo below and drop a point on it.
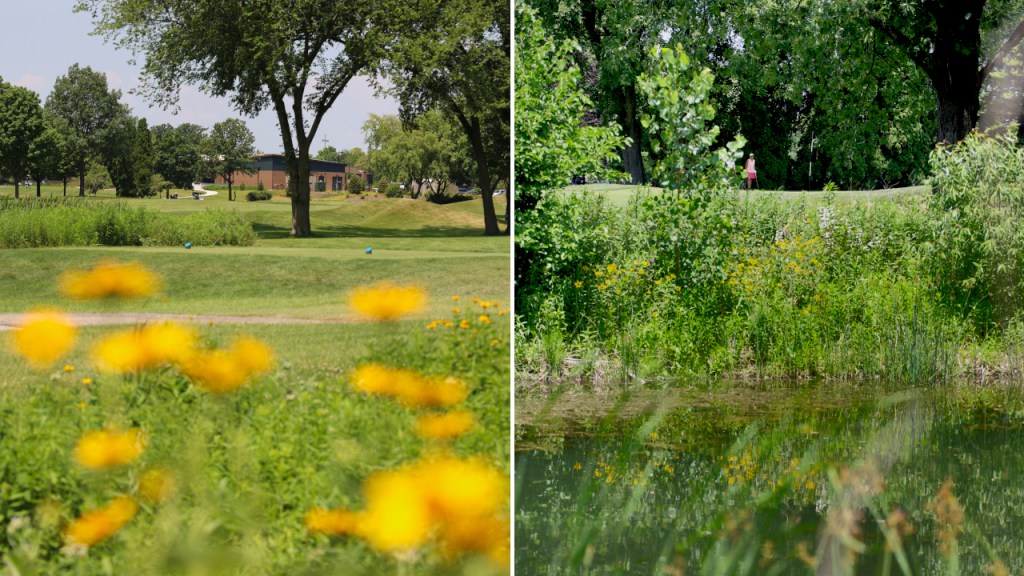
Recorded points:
(31, 223)
(710, 281)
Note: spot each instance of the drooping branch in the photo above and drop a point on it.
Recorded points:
(1008, 46)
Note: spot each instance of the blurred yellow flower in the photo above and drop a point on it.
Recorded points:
(253, 354)
(484, 319)
(336, 522)
(407, 386)
(157, 485)
(43, 337)
(464, 324)
(385, 302)
(463, 488)
(489, 535)
(86, 381)
(69, 368)
(398, 515)
(216, 371)
(445, 426)
(110, 279)
(101, 449)
(98, 525)
(146, 347)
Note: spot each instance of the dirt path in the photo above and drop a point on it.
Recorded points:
(11, 321)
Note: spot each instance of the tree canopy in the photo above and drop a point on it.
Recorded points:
(295, 58)
(82, 99)
(458, 61)
(21, 123)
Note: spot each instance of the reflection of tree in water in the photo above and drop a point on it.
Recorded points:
(833, 491)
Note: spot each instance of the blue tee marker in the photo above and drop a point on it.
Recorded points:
(188, 245)
(369, 250)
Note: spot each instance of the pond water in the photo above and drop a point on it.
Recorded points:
(814, 479)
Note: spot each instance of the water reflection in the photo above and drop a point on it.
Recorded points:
(847, 481)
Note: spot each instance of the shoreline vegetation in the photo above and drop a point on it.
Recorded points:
(914, 288)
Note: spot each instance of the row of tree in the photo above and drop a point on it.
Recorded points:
(851, 92)
(84, 126)
(296, 58)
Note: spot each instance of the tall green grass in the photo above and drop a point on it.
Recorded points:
(39, 222)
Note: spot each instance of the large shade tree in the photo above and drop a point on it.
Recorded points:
(21, 123)
(82, 99)
(459, 62)
(229, 150)
(295, 58)
(178, 152)
(958, 44)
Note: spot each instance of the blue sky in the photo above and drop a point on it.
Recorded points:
(41, 39)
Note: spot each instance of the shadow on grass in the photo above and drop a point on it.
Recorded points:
(269, 232)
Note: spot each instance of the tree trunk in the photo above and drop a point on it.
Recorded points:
(298, 169)
(483, 178)
(632, 159)
(957, 85)
(39, 188)
(81, 180)
(65, 186)
(17, 193)
(229, 179)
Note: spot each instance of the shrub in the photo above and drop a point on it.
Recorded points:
(443, 198)
(258, 196)
(393, 191)
(355, 185)
(260, 187)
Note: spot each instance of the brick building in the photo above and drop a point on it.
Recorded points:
(324, 176)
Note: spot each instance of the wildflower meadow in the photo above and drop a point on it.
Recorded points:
(152, 428)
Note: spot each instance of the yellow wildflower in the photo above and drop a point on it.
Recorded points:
(216, 371)
(100, 449)
(255, 356)
(87, 381)
(456, 310)
(464, 324)
(408, 387)
(578, 284)
(398, 515)
(495, 342)
(385, 302)
(157, 485)
(484, 319)
(102, 523)
(43, 337)
(69, 368)
(445, 426)
(489, 535)
(146, 347)
(462, 488)
(110, 279)
(337, 522)
(456, 298)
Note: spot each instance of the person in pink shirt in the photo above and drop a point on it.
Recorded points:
(751, 172)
